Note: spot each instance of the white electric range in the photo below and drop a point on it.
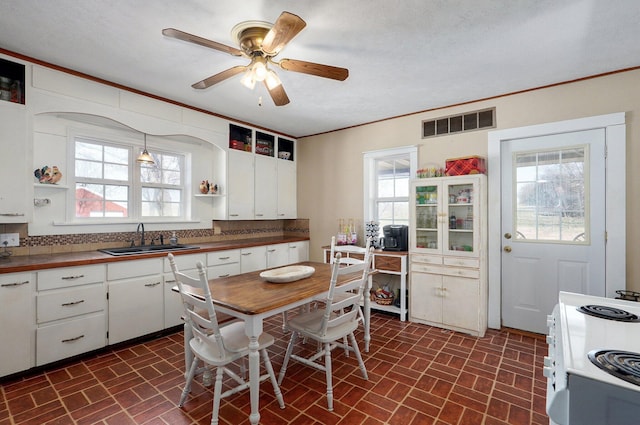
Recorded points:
(593, 366)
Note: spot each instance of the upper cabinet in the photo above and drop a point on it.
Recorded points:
(15, 145)
(261, 177)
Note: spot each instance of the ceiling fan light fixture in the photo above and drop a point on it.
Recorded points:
(272, 79)
(259, 68)
(145, 157)
(248, 79)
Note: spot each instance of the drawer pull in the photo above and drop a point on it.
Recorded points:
(6, 285)
(72, 303)
(73, 339)
(12, 215)
(170, 281)
(79, 276)
(224, 275)
(151, 285)
(223, 258)
(246, 253)
(272, 250)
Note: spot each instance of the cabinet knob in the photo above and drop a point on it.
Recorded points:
(507, 235)
(507, 248)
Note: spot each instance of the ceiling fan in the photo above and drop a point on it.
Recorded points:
(261, 42)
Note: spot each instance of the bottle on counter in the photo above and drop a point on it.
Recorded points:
(174, 239)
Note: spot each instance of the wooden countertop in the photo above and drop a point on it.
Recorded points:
(25, 263)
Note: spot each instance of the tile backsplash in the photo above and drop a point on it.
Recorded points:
(220, 231)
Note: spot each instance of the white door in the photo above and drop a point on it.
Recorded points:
(553, 223)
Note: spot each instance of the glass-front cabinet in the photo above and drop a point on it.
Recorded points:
(445, 215)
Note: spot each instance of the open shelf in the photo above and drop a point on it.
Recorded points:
(12, 82)
(240, 138)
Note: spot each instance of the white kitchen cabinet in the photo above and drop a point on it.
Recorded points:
(253, 259)
(277, 255)
(287, 187)
(240, 185)
(266, 188)
(223, 263)
(448, 245)
(15, 172)
(260, 185)
(17, 318)
(173, 307)
(298, 251)
(71, 310)
(136, 298)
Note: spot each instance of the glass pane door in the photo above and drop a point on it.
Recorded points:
(427, 216)
(460, 208)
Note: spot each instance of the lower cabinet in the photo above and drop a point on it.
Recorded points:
(298, 251)
(70, 312)
(253, 259)
(16, 316)
(448, 297)
(223, 263)
(277, 255)
(173, 307)
(136, 298)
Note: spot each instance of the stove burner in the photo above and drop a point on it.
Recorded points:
(622, 364)
(611, 313)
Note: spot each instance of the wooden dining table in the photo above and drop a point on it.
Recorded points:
(252, 299)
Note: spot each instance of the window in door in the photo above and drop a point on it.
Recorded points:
(551, 197)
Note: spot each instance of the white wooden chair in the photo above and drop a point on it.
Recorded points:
(217, 346)
(331, 324)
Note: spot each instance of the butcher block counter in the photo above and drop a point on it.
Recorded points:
(48, 261)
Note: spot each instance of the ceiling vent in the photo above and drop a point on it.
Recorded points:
(469, 121)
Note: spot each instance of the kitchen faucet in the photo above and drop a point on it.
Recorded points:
(140, 227)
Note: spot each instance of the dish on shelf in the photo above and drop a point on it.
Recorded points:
(287, 274)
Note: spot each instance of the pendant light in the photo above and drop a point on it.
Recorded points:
(145, 157)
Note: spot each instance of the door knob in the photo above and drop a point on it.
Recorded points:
(507, 235)
(507, 249)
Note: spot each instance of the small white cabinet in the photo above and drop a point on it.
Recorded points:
(266, 188)
(14, 172)
(287, 187)
(298, 251)
(253, 258)
(136, 298)
(70, 312)
(16, 316)
(448, 245)
(277, 255)
(240, 186)
(173, 307)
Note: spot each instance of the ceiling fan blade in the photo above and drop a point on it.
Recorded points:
(283, 31)
(215, 79)
(185, 36)
(278, 94)
(316, 69)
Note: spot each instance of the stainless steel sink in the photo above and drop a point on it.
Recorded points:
(147, 249)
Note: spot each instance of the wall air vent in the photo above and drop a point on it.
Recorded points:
(470, 121)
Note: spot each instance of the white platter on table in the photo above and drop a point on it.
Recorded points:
(287, 274)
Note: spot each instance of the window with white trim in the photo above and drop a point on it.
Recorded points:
(387, 175)
(110, 184)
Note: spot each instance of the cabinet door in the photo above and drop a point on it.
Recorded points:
(136, 307)
(298, 251)
(277, 255)
(427, 216)
(462, 231)
(240, 184)
(253, 259)
(17, 318)
(14, 171)
(173, 307)
(287, 186)
(426, 297)
(266, 187)
(461, 302)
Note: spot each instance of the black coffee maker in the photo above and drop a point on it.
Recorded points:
(396, 237)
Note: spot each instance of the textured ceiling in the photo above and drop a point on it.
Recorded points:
(403, 56)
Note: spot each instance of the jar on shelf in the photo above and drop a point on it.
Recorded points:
(5, 88)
